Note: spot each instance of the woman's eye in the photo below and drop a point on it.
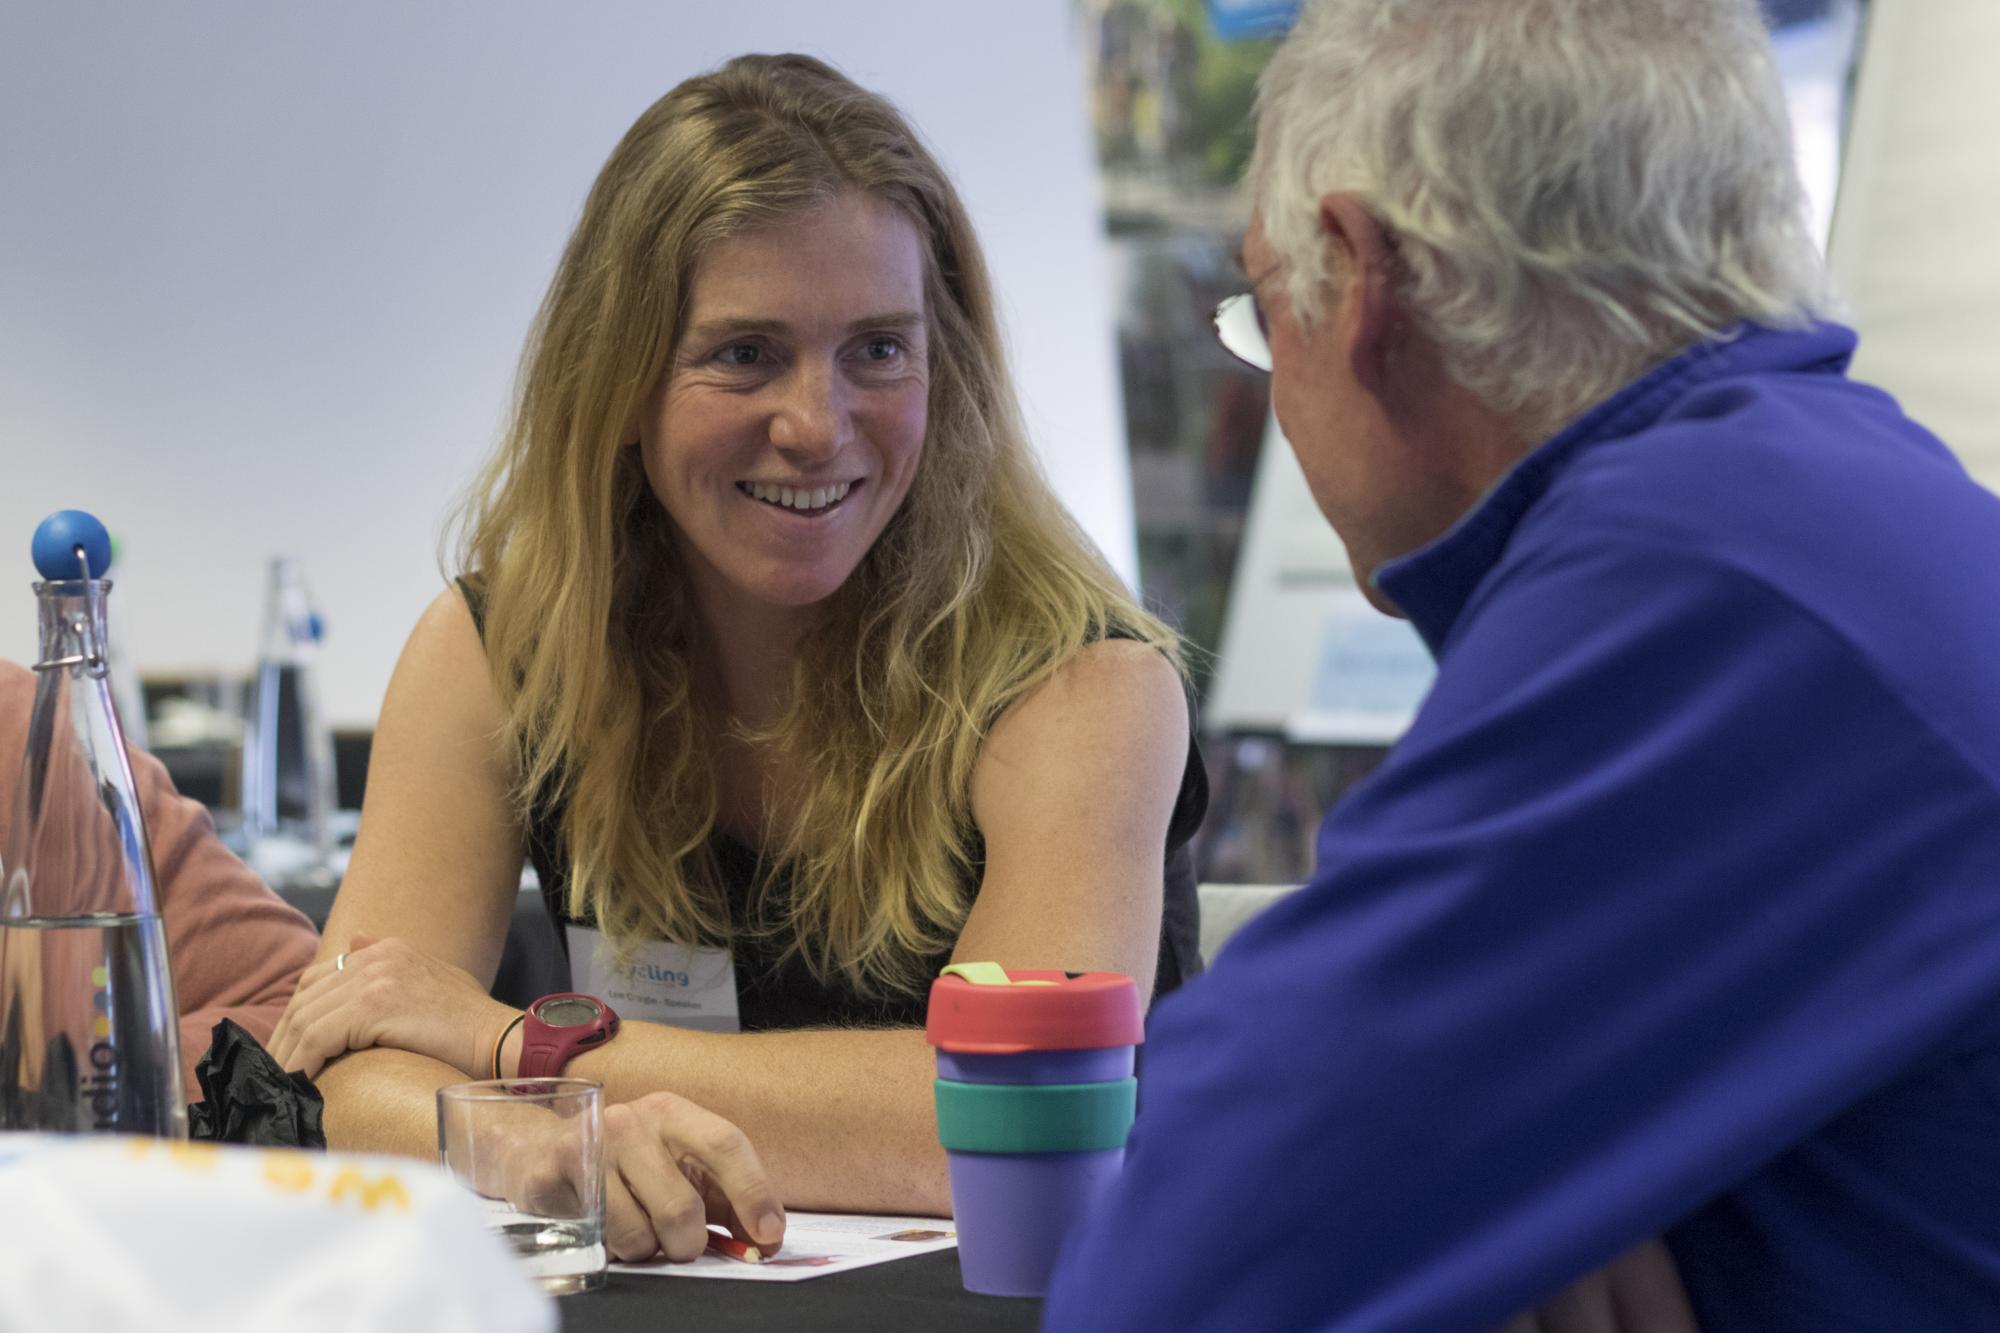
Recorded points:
(741, 354)
(883, 349)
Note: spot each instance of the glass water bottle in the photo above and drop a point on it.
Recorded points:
(89, 1029)
(288, 778)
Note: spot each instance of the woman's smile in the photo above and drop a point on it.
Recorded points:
(801, 500)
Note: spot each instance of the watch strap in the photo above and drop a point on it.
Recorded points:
(541, 1053)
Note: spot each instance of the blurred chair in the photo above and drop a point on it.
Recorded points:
(351, 746)
(1225, 907)
(533, 962)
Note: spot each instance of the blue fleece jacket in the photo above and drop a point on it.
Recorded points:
(1677, 910)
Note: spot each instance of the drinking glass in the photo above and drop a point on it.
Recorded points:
(532, 1148)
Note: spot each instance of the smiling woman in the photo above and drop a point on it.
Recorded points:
(775, 654)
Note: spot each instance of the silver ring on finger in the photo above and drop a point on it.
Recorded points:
(340, 961)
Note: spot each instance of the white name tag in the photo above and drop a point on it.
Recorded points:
(664, 983)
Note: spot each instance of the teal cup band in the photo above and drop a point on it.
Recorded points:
(1035, 1117)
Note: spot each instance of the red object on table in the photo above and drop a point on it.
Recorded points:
(731, 1248)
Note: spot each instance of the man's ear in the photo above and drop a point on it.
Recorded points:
(1358, 251)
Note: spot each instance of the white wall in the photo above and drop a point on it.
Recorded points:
(1916, 232)
(265, 270)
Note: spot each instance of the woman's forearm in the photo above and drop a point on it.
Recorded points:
(384, 1100)
(842, 1118)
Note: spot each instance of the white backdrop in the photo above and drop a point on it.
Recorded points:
(265, 271)
(1914, 232)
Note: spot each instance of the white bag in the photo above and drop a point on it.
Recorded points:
(157, 1237)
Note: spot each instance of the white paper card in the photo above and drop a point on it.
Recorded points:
(817, 1244)
(664, 983)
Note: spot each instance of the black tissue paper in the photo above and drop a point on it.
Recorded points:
(248, 1099)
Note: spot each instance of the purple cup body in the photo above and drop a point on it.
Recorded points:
(1099, 1065)
(1014, 1210)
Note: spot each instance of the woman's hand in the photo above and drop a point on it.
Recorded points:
(388, 993)
(1638, 1292)
(670, 1169)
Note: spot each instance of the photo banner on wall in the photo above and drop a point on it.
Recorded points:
(1247, 20)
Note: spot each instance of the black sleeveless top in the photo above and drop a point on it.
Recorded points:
(774, 992)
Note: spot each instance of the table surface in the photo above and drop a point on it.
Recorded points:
(919, 1294)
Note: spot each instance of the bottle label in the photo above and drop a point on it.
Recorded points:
(662, 983)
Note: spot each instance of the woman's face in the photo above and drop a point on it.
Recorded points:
(788, 425)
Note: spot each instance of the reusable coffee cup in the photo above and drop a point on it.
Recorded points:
(1035, 1095)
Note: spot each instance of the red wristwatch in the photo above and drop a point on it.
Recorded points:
(559, 1027)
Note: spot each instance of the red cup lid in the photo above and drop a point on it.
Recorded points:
(1007, 1011)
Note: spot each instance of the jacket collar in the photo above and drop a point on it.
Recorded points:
(1432, 584)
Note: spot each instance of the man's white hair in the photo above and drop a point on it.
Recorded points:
(1576, 189)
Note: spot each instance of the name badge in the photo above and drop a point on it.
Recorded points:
(664, 983)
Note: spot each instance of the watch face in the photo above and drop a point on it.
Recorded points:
(567, 1013)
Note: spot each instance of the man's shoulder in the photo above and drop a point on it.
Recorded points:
(1738, 451)
(1815, 486)
(1778, 524)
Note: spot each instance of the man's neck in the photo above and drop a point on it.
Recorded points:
(1465, 449)
(1457, 450)
(1483, 446)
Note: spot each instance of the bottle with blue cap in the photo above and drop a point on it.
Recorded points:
(89, 1030)
(288, 777)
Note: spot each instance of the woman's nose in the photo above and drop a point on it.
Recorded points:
(814, 419)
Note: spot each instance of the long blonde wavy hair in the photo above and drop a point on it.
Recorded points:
(979, 588)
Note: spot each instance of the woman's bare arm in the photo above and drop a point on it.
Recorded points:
(1073, 793)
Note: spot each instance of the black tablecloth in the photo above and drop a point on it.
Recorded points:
(920, 1295)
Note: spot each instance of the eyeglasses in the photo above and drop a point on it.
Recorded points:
(1241, 329)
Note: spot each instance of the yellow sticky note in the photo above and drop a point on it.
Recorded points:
(987, 974)
(979, 974)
